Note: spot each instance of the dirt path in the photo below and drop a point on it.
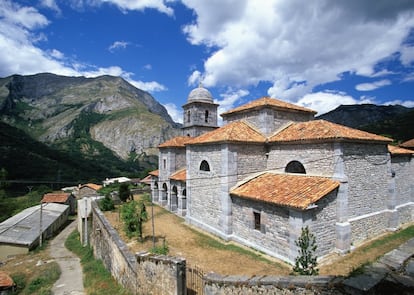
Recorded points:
(71, 279)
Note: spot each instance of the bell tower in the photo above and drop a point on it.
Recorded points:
(200, 113)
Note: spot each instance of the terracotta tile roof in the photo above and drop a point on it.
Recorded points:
(408, 144)
(55, 198)
(180, 175)
(5, 280)
(237, 131)
(154, 173)
(395, 150)
(297, 191)
(92, 186)
(178, 141)
(268, 102)
(324, 130)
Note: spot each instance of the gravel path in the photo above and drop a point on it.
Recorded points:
(71, 279)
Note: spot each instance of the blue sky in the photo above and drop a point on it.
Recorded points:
(320, 54)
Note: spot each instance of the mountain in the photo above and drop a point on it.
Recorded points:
(394, 121)
(53, 108)
(95, 118)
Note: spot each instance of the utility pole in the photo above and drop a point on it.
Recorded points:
(152, 221)
(85, 240)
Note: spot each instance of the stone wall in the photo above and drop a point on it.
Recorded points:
(141, 274)
(318, 159)
(269, 285)
(403, 169)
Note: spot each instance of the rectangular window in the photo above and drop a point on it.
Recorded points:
(164, 163)
(256, 220)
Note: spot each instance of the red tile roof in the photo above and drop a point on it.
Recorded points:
(180, 175)
(324, 130)
(395, 150)
(92, 186)
(297, 191)
(238, 131)
(55, 198)
(269, 102)
(178, 141)
(408, 143)
(5, 280)
(154, 173)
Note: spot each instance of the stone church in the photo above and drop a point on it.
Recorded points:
(272, 168)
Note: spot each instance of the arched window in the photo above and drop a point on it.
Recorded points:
(184, 192)
(206, 116)
(204, 166)
(295, 167)
(188, 117)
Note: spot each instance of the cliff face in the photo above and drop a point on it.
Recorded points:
(55, 109)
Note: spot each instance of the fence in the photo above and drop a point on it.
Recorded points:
(195, 284)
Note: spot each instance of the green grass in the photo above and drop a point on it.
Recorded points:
(41, 283)
(97, 280)
(399, 236)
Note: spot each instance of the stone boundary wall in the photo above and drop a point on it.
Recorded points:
(269, 285)
(140, 274)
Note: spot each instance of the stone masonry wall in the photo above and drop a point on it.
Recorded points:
(403, 167)
(203, 187)
(250, 159)
(367, 171)
(318, 159)
(273, 238)
(141, 274)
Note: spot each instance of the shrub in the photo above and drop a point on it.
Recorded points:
(106, 204)
(306, 262)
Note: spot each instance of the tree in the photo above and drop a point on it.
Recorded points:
(124, 192)
(106, 204)
(133, 214)
(306, 262)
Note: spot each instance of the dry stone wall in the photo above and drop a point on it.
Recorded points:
(140, 274)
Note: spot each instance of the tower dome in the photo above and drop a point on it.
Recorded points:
(200, 94)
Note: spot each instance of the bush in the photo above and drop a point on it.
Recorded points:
(306, 262)
(124, 192)
(106, 204)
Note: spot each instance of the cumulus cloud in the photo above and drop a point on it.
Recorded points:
(293, 46)
(406, 103)
(323, 102)
(373, 85)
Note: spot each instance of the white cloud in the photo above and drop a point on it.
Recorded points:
(407, 55)
(51, 4)
(118, 45)
(20, 55)
(323, 102)
(175, 112)
(406, 103)
(295, 46)
(194, 79)
(147, 67)
(373, 85)
(139, 5)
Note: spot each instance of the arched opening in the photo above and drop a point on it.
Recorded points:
(206, 116)
(295, 167)
(204, 166)
(188, 117)
(174, 198)
(164, 193)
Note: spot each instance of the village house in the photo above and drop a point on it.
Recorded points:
(61, 198)
(88, 190)
(272, 169)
